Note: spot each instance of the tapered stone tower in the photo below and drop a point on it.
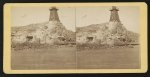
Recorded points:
(53, 14)
(114, 17)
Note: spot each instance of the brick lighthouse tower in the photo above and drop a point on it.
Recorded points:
(114, 17)
(53, 14)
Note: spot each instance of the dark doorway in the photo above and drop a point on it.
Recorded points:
(29, 38)
(89, 39)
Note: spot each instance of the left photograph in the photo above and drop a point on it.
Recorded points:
(43, 38)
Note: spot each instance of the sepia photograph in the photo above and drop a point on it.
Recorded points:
(43, 38)
(75, 38)
(106, 35)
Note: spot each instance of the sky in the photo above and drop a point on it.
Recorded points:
(21, 16)
(72, 17)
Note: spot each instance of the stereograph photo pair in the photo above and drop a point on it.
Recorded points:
(75, 38)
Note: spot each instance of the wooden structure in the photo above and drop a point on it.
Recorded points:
(114, 14)
(53, 14)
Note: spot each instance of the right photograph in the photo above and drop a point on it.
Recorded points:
(107, 37)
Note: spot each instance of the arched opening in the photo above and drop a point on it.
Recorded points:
(29, 38)
(89, 39)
